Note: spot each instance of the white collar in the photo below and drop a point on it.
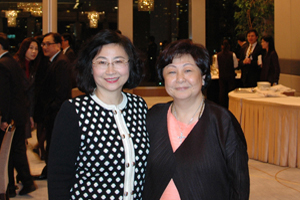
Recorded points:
(66, 49)
(110, 107)
(3, 54)
(52, 58)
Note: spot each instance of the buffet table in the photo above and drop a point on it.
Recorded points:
(270, 125)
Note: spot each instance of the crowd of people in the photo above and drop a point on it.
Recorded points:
(106, 144)
(257, 62)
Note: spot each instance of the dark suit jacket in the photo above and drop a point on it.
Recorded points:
(270, 68)
(56, 86)
(251, 72)
(71, 55)
(12, 93)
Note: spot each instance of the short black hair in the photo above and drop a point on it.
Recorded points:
(241, 37)
(183, 47)
(68, 36)
(56, 37)
(4, 41)
(85, 80)
(252, 31)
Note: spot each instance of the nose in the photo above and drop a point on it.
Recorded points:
(180, 77)
(110, 69)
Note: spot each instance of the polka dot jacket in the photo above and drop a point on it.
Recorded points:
(113, 147)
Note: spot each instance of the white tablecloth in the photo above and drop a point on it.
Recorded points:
(270, 125)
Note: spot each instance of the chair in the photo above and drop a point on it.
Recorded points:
(4, 156)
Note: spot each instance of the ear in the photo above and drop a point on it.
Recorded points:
(203, 78)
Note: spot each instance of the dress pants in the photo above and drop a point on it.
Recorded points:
(225, 86)
(18, 159)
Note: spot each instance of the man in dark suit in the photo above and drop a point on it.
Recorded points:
(12, 107)
(250, 68)
(66, 41)
(56, 87)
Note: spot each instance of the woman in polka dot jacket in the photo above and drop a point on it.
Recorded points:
(100, 142)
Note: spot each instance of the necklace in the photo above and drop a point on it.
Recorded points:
(202, 104)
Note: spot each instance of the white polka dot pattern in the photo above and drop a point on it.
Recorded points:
(100, 165)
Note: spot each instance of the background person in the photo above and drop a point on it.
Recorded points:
(27, 58)
(197, 148)
(12, 107)
(100, 143)
(270, 65)
(56, 87)
(226, 62)
(250, 68)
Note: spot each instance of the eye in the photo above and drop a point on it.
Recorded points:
(102, 62)
(118, 61)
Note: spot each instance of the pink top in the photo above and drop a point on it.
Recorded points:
(171, 192)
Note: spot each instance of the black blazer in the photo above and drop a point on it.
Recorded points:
(251, 72)
(270, 68)
(71, 55)
(12, 93)
(72, 58)
(56, 85)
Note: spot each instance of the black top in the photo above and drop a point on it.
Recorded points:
(211, 163)
(12, 93)
(270, 68)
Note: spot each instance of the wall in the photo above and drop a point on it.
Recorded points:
(287, 41)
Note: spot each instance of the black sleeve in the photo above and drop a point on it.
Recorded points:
(63, 152)
(275, 63)
(5, 96)
(63, 84)
(238, 163)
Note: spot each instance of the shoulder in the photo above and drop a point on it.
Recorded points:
(133, 98)
(218, 112)
(274, 54)
(61, 58)
(158, 110)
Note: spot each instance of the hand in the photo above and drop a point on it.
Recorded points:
(3, 126)
(247, 61)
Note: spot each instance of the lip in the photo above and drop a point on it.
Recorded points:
(112, 80)
(181, 88)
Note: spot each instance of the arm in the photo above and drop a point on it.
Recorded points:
(63, 152)
(275, 63)
(62, 85)
(235, 61)
(216, 63)
(5, 96)
(238, 163)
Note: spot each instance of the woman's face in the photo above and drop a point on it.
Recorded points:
(264, 44)
(183, 78)
(110, 68)
(32, 51)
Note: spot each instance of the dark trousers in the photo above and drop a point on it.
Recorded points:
(18, 159)
(225, 86)
(49, 123)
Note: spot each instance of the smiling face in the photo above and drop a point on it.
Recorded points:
(183, 78)
(32, 51)
(110, 77)
(264, 44)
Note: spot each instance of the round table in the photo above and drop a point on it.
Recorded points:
(271, 126)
